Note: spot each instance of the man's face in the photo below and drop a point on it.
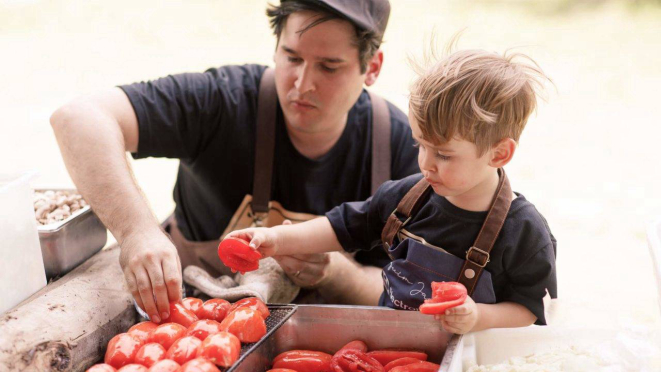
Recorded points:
(317, 73)
(453, 169)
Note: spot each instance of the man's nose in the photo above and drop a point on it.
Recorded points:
(304, 81)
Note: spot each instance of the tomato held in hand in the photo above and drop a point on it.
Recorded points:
(142, 331)
(351, 360)
(252, 303)
(193, 304)
(203, 328)
(184, 349)
(133, 368)
(122, 350)
(166, 334)
(165, 365)
(149, 354)
(401, 362)
(303, 361)
(223, 349)
(417, 367)
(386, 356)
(445, 295)
(101, 368)
(215, 309)
(180, 315)
(246, 324)
(238, 256)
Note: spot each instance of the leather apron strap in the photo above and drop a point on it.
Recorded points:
(477, 256)
(264, 144)
(380, 142)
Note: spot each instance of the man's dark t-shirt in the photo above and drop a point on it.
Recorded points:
(208, 121)
(522, 260)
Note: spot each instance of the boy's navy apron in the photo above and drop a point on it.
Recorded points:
(416, 263)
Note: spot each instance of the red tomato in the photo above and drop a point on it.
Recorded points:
(223, 349)
(165, 365)
(417, 367)
(203, 328)
(350, 360)
(193, 304)
(166, 334)
(281, 370)
(184, 349)
(133, 368)
(215, 309)
(142, 330)
(180, 315)
(356, 345)
(238, 256)
(386, 356)
(198, 365)
(303, 361)
(401, 362)
(122, 350)
(252, 303)
(445, 295)
(101, 368)
(149, 354)
(246, 324)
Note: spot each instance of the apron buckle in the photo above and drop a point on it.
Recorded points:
(479, 262)
(394, 214)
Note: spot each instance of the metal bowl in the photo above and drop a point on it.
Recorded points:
(67, 244)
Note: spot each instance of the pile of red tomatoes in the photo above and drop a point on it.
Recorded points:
(197, 336)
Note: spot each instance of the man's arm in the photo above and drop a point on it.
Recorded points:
(94, 133)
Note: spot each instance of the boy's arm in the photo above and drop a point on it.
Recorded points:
(472, 317)
(314, 236)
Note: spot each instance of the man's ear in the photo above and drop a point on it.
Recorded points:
(374, 68)
(502, 152)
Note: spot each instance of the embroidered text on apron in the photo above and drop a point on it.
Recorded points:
(258, 209)
(416, 263)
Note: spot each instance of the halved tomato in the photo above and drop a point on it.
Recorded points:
(166, 334)
(223, 349)
(252, 303)
(417, 367)
(386, 356)
(122, 350)
(215, 309)
(356, 345)
(401, 362)
(303, 361)
(246, 324)
(351, 360)
(236, 254)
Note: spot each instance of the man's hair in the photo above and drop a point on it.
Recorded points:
(479, 96)
(367, 42)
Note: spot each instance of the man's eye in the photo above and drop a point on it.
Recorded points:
(328, 69)
(293, 59)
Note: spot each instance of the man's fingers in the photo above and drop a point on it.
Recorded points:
(155, 273)
(322, 258)
(133, 287)
(146, 294)
(172, 277)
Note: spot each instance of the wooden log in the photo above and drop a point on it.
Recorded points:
(67, 325)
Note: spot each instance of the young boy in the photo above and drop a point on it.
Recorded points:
(467, 114)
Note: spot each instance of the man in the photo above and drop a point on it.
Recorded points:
(327, 50)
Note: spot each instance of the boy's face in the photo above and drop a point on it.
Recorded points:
(317, 73)
(454, 169)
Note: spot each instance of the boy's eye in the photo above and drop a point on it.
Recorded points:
(442, 157)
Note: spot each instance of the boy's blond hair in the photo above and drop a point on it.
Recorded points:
(479, 96)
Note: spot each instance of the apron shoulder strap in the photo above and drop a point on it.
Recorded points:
(380, 142)
(477, 256)
(265, 143)
(408, 206)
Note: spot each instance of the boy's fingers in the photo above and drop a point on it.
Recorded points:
(461, 309)
(256, 241)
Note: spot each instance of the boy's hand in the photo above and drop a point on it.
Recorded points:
(262, 239)
(460, 319)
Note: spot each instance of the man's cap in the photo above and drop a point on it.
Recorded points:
(371, 15)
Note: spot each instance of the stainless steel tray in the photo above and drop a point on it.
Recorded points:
(328, 327)
(67, 244)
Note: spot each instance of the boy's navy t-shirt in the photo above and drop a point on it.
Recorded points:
(208, 121)
(522, 261)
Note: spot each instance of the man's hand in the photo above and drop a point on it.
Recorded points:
(306, 270)
(460, 319)
(153, 272)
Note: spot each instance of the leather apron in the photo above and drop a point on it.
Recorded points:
(416, 263)
(257, 209)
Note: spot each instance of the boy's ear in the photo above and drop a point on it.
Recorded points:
(502, 152)
(374, 68)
